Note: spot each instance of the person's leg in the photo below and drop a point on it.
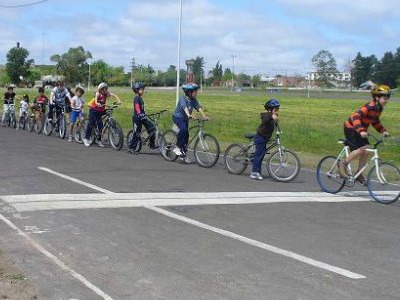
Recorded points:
(137, 125)
(91, 123)
(260, 143)
(51, 111)
(3, 118)
(150, 128)
(183, 134)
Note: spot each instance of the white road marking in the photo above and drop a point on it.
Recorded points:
(258, 244)
(89, 185)
(24, 203)
(235, 236)
(56, 260)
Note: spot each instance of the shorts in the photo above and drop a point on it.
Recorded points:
(354, 139)
(75, 115)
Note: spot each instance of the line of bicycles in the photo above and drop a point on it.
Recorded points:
(283, 165)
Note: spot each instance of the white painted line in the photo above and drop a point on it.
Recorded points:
(56, 260)
(89, 185)
(258, 244)
(24, 203)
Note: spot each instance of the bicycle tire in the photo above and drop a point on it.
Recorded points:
(129, 137)
(168, 143)
(115, 135)
(236, 159)
(21, 123)
(79, 131)
(206, 150)
(48, 128)
(384, 192)
(39, 124)
(62, 126)
(283, 166)
(327, 171)
(29, 124)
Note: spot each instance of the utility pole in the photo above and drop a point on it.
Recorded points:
(233, 69)
(133, 67)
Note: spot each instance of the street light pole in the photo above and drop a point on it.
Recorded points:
(178, 73)
(233, 69)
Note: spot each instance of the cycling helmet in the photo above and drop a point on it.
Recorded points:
(102, 86)
(189, 88)
(80, 89)
(380, 90)
(137, 86)
(272, 103)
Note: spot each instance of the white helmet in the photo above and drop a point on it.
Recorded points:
(102, 86)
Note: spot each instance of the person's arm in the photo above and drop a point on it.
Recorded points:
(202, 114)
(51, 99)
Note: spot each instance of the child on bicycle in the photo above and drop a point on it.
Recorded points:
(139, 118)
(39, 103)
(263, 135)
(356, 129)
(77, 104)
(23, 110)
(97, 109)
(181, 116)
(8, 102)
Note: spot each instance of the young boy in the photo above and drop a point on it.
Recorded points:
(139, 118)
(77, 108)
(24, 104)
(356, 129)
(264, 133)
(181, 116)
(8, 101)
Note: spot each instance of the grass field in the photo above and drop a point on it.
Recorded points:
(311, 126)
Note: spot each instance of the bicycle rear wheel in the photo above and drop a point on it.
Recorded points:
(168, 143)
(384, 183)
(236, 159)
(328, 175)
(283, 165)
(206, 150)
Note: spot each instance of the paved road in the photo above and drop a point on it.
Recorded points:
(105, 224)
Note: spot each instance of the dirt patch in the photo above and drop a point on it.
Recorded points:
(13, 283)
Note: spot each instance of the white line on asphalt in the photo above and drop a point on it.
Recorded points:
(258, 244)
(38, 202)
(235, 236)
(56, 260)
(89, 185)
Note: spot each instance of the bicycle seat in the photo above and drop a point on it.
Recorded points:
(249, 136)
(343, 142)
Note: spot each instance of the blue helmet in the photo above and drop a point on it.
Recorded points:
(272, 103)
(137, 86)
(190, 87)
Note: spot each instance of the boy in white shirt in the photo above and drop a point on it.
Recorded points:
(77, 104)
(24, 104)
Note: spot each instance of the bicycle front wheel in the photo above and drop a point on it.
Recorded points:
(328, 175)
(115, 135)
(62, 126)
(79, 131)
(383, 183)
(283, 165)
(168, 143)
(206, 150)
(236, 159)
(39, 124)
(48, 128)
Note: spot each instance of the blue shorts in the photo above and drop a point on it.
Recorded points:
(75, 115)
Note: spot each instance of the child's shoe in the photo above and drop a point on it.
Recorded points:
(256, 176)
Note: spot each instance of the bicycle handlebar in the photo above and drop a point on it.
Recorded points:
(159, 113)
(377, 141)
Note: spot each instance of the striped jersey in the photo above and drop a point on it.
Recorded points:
(366, 115)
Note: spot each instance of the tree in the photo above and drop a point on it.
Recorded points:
(72, 65)
(363, 69)
(325, 66)
(18, 65)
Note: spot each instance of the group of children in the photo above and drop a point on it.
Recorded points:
(355, 128)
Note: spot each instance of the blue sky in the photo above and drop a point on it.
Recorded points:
(267, 37)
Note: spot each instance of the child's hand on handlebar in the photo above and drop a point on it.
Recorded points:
(364, 134)
(385, 134)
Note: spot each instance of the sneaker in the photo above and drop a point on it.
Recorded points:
(186, 160)
(361, 179)
(177, 151)
(100, 143)
(342, 169)
(86, 142)
(70, 138)
(256, 175)
(131, 151)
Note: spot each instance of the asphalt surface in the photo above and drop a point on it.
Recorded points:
(139, 253)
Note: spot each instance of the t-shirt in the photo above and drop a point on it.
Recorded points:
(267, 125)
(24, 106)
(60, 95)
(138, 105)
(41, 99)
(77, 103)
(183, 103)
(9, 97)
(101, 99)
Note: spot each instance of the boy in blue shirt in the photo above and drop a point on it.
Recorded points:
(181, 116)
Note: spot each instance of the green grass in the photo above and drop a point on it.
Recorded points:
(311, 126)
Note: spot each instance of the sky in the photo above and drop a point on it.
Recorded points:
(253, 36)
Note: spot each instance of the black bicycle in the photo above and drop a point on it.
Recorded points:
(59, 124)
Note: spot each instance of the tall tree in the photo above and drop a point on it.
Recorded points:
(18, 65)
(72, 65)
(325, 66)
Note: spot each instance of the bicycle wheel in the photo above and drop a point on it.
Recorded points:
(206, 150)
(328, 175)
(48, 128)
(21, 123)
(62, 126)
(115, 135)
(39, 124)
(236, 159)
(129, 137)
(79, 131)
(384, 183)
(283, 165)
(29, 124)
(168, 143)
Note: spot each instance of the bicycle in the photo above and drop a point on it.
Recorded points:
(112, 131)
(383, 180)
(282, 165)
(144, 136)
(60, 124)
(80, 127)
(23, 121)
(206, 147)
(9, 117)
